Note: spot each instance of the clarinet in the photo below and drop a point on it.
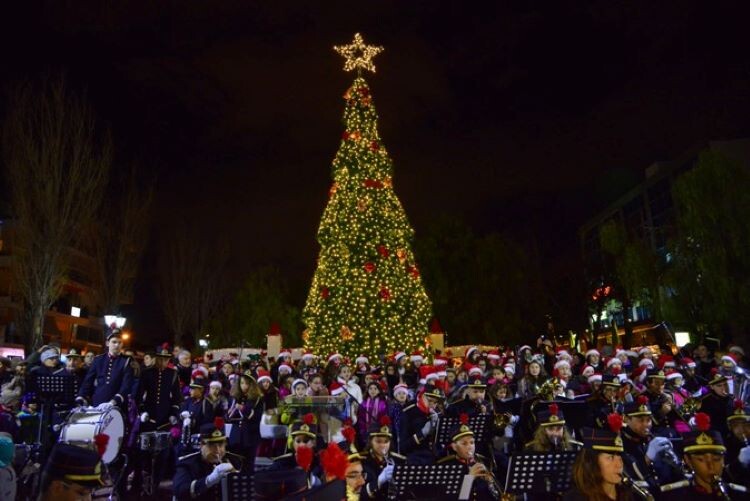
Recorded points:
(721, 486)
(638, 490)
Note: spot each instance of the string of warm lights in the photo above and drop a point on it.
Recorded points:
(367, 295)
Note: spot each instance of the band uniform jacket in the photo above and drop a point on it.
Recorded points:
(373, 468)
(159, 394)
(190, 477)
(108, 378)
(480, 489)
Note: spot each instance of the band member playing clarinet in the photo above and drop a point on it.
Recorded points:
(598, 469)
(704, 454)
(463, 447)
(198, 475)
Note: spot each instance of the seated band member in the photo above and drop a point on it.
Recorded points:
(71, 474)
(704, 454)
(738, 446)
(598, 469)
(378, 460)
(418, 425)
(473, 402)
(304, 441)
(463, 447)
(551, 435)
(198, 475)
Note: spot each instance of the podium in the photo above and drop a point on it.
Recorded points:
(327, 411)
(540, 472)
(435, 481)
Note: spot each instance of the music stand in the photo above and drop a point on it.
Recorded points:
(53, 389)
(417, 481)
(540, 472)
(237, 487)
(478, 423)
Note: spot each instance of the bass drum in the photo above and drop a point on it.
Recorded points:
(85, 424)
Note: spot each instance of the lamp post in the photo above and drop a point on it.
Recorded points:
(113, 322)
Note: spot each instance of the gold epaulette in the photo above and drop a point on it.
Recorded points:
(445, 459)
(289, 454)
(576, 442)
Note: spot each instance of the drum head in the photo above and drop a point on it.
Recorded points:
(113, 425)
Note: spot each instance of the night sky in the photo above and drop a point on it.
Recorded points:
(519, 117)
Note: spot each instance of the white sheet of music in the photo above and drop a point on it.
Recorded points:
(465, 491)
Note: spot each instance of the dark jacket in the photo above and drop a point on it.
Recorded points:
(190, 477)
(108, 378)
(159, 394)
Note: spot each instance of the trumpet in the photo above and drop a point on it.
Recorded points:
(637, 489)
(688, 408)
(502, 420)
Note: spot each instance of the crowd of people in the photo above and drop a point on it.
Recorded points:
(647, 422)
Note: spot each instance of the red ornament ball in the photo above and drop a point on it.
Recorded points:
(383, 251)
(385, 294)
(324, 292)
(374, 146)
(369, 267)
(345, 136)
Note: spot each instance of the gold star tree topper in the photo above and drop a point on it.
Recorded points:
(358, 55)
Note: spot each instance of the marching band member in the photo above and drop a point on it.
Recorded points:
(245, 412)
(304, 441)
(704, 454)
(717, 403)
(463, 449)
(195, 410)
(604, 402)
(418, 423)
(198, 475)
(551, 435)
(378, 460)
(473, 402)
(738, 444)
(159, 396)
(71, 473)
(109, 378)
(598, 469)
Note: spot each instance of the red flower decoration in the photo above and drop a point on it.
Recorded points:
(464, 418)
(369, 267)
(553, 409)
(385, 420)
(324, 292)
(304, 457)
(219, 423)
(334, 461)
(615, 422)
(349, 433)
(385, 294)
(703, 421)
(308, 418)
(374, 146)
(383, 251)
(413, 271)
(345, 136)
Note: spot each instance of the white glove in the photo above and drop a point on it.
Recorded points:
(386, 475)
(657, 445)
(173, 420)
(186, 422)
(144, 417)
(514, 419)
(221, 470)
(744, 456)
(104, 406)
(184, 414)
(427, 428)
(508, 431)
(434, 418)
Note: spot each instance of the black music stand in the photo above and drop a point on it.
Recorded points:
(478, 423)
(576, 414)
(53, 389)
(434, 481)
(237, 487)
(540, 472)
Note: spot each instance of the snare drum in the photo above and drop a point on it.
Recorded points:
(154, 441)
(83, 425)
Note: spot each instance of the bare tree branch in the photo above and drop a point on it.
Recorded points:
(57, 167)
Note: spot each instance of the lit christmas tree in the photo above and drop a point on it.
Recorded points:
(367, 295)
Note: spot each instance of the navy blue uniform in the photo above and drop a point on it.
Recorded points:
(373, 468)
(413, 444)
(469, 407)
(108, 378)
(201, 412)
(480, 489)
(190, 477)
(159, 394)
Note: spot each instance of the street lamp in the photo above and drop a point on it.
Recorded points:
(114, 320)
(203, 343)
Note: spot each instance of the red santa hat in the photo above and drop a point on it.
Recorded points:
(473, 370)
(688, 362)
(646, 362)
(285, 368)
(201, 371)
(416, 357)
(399, 355)
(562, 363)
(299, 381)
(595, 377)
(593, 351)
(587, 370)
(427, 373)
(614, 361)
(284, 353)
(562, 354)
(644, 350)
(333, 356)
(494, 355)
(730, 357)
(737, 349)
(263, 375)
(361, 360)
(471, 350)
(510, 367)
(524, 347)
(215, 384)
(672, 375)
(400, 388)
(440, 361)
(336, 388)
(308, 355)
